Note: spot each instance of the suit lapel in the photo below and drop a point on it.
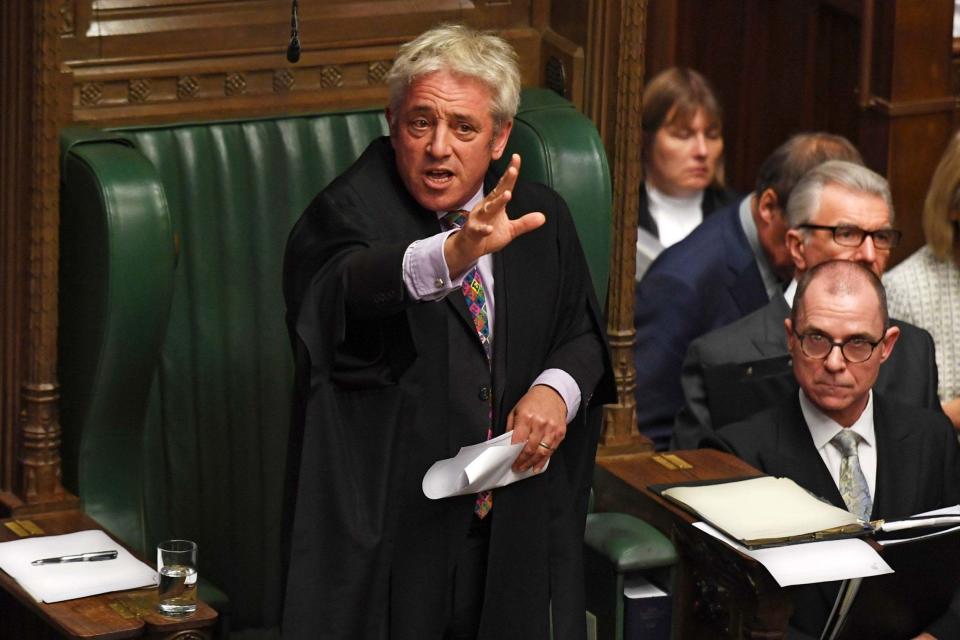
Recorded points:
(457, 301)
(899, 460)
(797, 458)
(770, 341)
(500, 333)
(747, 288)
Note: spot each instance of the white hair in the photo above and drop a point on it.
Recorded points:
(804, 200)
(462, 51)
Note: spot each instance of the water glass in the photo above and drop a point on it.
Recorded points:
(177, 566)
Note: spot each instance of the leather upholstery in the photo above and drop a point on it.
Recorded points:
(174, 361)
(615, 546)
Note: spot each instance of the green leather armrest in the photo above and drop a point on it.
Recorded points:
(560, 147)
(628, 542)
(116, 245)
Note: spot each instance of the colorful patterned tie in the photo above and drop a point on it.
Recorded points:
(476, 299)
(853, 485)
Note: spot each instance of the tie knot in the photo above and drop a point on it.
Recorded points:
(846, 442)
(454, 219)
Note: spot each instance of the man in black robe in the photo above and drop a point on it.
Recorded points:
(395, 372)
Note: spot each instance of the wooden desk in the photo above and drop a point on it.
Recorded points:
(719, 593)
(123, 614)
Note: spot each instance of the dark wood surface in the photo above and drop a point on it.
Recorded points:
(718, 593)
(122, 614)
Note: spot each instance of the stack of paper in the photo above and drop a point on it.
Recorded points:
(766, 511)
(65, 581)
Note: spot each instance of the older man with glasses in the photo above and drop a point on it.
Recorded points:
(841, 438)
(838, 211)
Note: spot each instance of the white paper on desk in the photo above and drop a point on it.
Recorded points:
(65, 581)
(810, 562)
(477, 467)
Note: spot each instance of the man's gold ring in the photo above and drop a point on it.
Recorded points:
(546, 446)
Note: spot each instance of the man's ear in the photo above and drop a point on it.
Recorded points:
(768, 206)
(797, 247)
(788, 328)
(889, 339)
(499, 143)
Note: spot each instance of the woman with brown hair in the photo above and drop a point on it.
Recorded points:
(682, 155)
(925, 288)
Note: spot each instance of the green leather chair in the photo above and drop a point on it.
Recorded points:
(616, 546)
(174, 363)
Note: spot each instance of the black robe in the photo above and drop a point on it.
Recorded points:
(380, 384)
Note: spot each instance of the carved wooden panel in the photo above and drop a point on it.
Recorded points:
(152, 60)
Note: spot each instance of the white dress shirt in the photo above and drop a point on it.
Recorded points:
(823, 429)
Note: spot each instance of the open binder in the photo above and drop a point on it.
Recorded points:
(764, 511)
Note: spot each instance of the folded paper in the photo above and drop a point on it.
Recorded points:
(475, 468)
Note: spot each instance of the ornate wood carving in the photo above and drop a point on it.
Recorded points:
(16, 30)
(140, 61)
(627, 22)
(39, 454)
(563, 67)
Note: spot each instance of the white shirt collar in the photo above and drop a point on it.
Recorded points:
(823, 428)
(790, 292)
(770, 281)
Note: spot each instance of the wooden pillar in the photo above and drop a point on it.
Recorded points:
(16, 39)
(35, 484)
(613, 101)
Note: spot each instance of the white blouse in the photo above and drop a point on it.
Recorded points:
(675, 217)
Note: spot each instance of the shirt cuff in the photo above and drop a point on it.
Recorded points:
(425, 271)
(564, 384)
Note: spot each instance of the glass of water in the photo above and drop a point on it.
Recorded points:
(177, 566)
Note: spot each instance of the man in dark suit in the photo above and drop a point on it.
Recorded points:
(416, 332)
(839, 210)
(730, 265)
(900, 460)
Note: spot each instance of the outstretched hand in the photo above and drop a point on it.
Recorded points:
(488, 229)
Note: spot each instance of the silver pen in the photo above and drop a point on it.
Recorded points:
(92, 556)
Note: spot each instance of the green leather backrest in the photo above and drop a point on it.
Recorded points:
(116, 286)
(560, 147)
(175, 420)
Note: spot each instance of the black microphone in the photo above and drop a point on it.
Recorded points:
(293, 51)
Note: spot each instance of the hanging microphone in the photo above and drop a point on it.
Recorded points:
(293, 51)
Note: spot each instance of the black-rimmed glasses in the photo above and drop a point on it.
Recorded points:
(849, 236)
(819, 346)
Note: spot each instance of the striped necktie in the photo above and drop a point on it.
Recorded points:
(476, 298)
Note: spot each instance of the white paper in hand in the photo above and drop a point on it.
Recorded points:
(475, 468)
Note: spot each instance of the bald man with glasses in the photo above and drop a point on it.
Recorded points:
(838, 211)
(842, 439)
